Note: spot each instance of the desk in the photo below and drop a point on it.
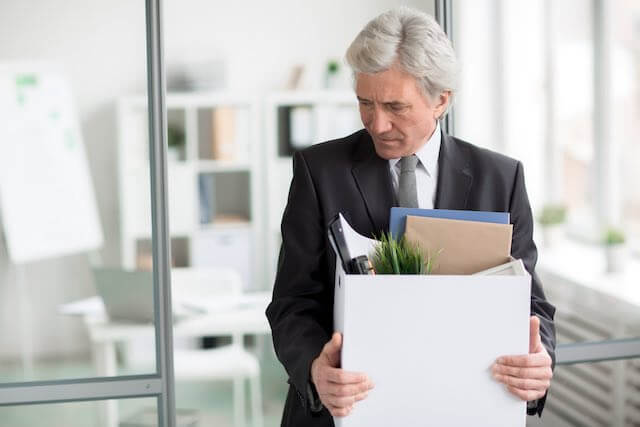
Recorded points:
(244, 315)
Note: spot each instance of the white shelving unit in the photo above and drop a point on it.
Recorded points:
(214, 183)
(294, 120)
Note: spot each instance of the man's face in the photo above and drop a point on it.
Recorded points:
(397, 115)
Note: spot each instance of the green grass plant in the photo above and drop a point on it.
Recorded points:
(613, 236)
(399, 256)
(552, 214)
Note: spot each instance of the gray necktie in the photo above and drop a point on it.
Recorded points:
(407, 193)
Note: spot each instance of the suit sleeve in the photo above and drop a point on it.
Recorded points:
(523, 247)
(300, 313)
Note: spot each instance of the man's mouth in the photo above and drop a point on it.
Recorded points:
(388, 140)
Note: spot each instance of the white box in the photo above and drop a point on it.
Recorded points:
(428, 343)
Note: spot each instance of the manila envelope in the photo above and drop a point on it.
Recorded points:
(466, 247)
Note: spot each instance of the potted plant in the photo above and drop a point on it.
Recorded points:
(398, 256)
(175, 142)
(615, 249)
(332, 74)
(552, 219)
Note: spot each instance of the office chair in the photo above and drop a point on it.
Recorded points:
(217, 288)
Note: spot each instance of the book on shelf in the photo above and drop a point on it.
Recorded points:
(223, 133)
(301, 127)
(206, 189)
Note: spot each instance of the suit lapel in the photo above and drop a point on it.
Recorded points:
(373, 179)
(454, 176)
(372, 176)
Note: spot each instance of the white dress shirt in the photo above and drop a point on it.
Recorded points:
(426, 170)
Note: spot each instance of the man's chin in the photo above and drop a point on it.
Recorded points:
(387, 153)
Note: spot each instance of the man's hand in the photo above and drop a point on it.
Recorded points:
(526, 376)
(338, 390)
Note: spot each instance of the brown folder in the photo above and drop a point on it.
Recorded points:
(466, 247)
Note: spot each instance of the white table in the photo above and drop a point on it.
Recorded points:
(243, 315)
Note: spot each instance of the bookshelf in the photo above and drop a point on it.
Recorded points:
(214, 176)
(294, 120)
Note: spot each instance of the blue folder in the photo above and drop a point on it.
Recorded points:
(398, 217)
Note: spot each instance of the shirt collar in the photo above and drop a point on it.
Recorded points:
(428, 153)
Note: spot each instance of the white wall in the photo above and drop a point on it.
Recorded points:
(101, 45)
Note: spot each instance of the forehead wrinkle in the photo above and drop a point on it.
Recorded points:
(384, 91)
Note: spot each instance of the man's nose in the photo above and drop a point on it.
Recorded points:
(380, 123)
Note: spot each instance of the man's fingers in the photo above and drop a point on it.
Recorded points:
(335, 343)
(339, 411)
(340, 390)
(344, 401)
(523, 383)
(526, 360)
(339, 376)
(332, 349)
(534, 334)
(339, 402)
(541, 373)
(343, 396)
(526, 394)
(361, 396)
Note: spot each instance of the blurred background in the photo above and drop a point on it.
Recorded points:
(555, 84)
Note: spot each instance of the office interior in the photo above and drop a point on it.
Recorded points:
(553, 84)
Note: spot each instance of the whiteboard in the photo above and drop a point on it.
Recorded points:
(46, 193)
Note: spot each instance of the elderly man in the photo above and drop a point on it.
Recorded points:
(405, 72)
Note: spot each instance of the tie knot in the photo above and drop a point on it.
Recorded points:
(408, 163)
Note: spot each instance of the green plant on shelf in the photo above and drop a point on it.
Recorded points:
(399, 256)
(613, 236)
(552, 214)
(175, 136)
(333, 67)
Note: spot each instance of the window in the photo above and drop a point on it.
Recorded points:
(557, 86)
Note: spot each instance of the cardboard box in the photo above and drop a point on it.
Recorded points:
(428, 343)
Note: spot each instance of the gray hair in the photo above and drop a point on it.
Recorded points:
(413, 40)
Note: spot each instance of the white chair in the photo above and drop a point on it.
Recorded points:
(216, 288)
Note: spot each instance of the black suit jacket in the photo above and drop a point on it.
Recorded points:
(347, 176)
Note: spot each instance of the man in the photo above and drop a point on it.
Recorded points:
(405, 70)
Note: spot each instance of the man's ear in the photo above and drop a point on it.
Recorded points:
(441, 103)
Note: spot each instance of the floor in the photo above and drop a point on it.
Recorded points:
(212, 401)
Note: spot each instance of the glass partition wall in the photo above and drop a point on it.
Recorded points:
(77, 325)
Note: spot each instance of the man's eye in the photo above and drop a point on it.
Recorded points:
(397, 107)
(365, 103)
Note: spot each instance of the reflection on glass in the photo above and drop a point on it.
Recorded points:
(138, 412)
(75, 294)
